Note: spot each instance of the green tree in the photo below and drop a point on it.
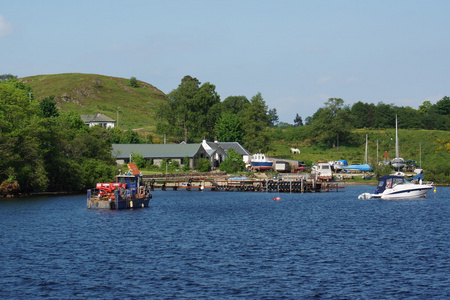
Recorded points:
(229, 128)
(385, 115)
(442, 107)
(363, 115)
(48, 107)
(129, 137)
(138, 159)
(425, 107)
(186, 166)
(235, 105)
(273, 117)
(21, 156)
(233, 163)
(133, 82)
(203, 112)
(203, 165)
(190, 110)
(5, 77)
(333, 124)
(256, 120)
(298, 120)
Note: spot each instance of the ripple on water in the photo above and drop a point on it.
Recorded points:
(227, 245)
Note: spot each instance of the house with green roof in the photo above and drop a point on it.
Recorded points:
(156, 153)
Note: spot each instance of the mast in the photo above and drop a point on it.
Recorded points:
(396, 139)
(365, 157)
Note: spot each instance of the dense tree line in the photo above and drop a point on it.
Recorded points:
(332, 124)
(194, 111)
(428, 116)
(43, 149)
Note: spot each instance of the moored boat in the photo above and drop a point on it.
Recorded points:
(322, 171)
(391, 187)
(126, 193)
(260, 162)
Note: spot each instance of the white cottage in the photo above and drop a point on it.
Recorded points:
(98, 119)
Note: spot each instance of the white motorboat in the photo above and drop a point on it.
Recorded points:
(397, 187)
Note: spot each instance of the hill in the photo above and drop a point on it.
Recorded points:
(134, 107)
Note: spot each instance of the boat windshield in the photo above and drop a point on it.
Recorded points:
(399, 180)
(390, 182)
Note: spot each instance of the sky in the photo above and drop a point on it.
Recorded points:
(296, 53)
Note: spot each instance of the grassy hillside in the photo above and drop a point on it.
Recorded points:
(429, 148)
(413, 144)
(87, 93)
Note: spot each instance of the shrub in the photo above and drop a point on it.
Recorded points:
(233, 163)
(202, 165)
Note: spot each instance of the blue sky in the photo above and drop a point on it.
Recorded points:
(296, 53)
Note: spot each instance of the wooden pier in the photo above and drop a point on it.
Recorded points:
(304, 184)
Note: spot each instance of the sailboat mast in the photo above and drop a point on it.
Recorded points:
(396, 138)
(365, 157)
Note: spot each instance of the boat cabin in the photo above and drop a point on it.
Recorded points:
(388, 181)
(322, 170)
(132, 179)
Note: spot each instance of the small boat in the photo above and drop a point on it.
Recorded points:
(361, 167)
(339, 165)
(397, 187)
(358, 167)
(322, 171)
(260, 163)
(126, 193)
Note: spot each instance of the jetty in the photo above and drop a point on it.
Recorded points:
(295, 183)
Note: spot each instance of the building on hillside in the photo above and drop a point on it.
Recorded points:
(156, 153)
(218, 151)
(98, 119)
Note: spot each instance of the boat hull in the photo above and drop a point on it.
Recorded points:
(416, 191)
(119, 201)
(262, 165)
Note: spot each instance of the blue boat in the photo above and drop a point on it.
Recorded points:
(363, 168)
(260, 163)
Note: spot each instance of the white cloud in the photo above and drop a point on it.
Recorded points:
(5, 27)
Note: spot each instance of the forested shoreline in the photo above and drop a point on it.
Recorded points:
(46, 149)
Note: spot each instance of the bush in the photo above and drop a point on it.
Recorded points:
(233, 163)
(133, 82)
(139, 160)
(202, 165)
(9, 187)
(186, 164)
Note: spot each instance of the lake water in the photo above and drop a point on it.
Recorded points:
(222, 245)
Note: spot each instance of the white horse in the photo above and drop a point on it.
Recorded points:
(295, 151)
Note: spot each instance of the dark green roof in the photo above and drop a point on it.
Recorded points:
(156, 150)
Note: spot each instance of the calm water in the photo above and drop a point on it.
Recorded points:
(221, 245)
